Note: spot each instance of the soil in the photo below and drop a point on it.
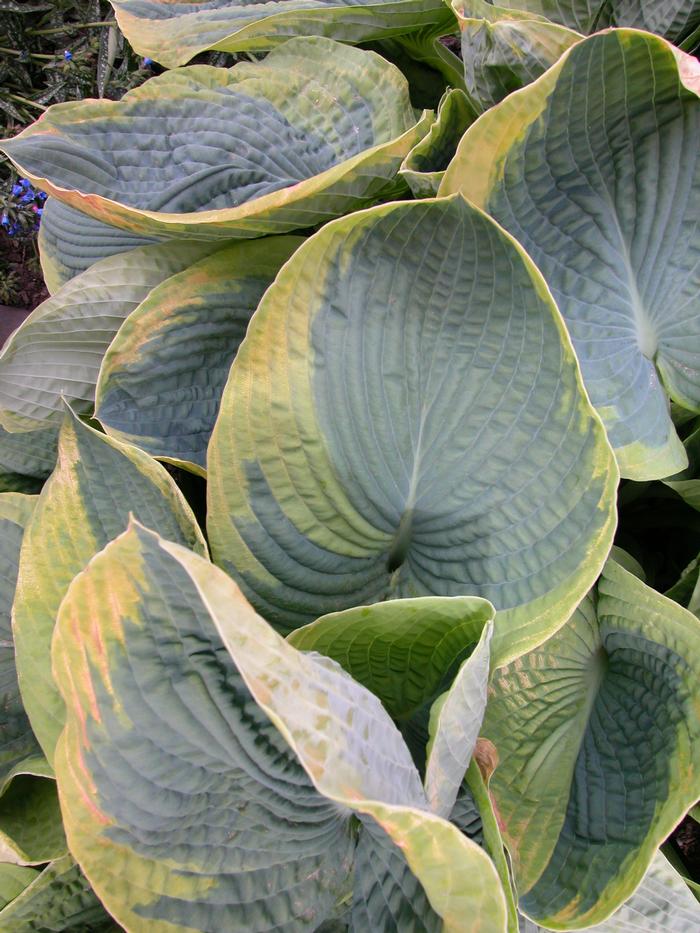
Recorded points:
(18, 258)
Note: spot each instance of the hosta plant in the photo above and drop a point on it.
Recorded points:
(323, 604)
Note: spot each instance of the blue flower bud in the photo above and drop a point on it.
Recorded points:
(5, 220)
(68, 56)
(17, 190)
(147, 62)
(27, 198)
(42, 195)
(25, 183)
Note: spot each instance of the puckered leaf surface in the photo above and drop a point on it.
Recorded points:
(504, 48)
(406, 651)
(597, 733)
(221, 765)
(595, 169)
(672, 19)
(26, 459)
(87, 501)
(54, 356)
(71, 241)
(405, 417)
(174, 32)
(161, 380)
(314, 131)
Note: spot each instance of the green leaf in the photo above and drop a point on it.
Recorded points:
(173, 33)
(597, 732)
(13, 880)
(26, 459)
(54, 356)
(686, 590)
(70, 242)
(405, 651)
(424, 166)
(172, 681)
(17, 740)
(504, 49)
(313, 131)
(87, 501)
(661, 904)
(455, 722)
(58, 900)
(594, 168)
(161, 380)
(479, 468)
(672, 19)
(31, 829)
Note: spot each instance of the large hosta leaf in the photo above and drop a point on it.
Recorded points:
(71, 241)
(315, 130)
(174, 32)
(595, 168)
(598, 736)
(97, 484)
(55, 355)
(161, 380)
(16, 737)
(504, 49)
(405, 417)
(672, 19)
(218, 767)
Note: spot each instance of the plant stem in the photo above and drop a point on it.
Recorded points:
(25, 100)
(69, 28)
(30, 54)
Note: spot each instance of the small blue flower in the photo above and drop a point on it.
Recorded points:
(17, 190)
(25, 183)
(42, 195)
(147, 62)
(27, 198)
(68, 55)
(5, 220)
(39, 211)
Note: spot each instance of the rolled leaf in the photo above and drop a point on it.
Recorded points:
(70, 242)
(424, 166)
(17, 740)
(194, 692)
(422, 431)
(314, 131)
(406, 651)
(597, 733)
(97, 484)
(161, 380)
(595, 169)
(173, 33)
(55, 355)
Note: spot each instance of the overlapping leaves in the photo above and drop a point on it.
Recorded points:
(292, 745)
(314, 131)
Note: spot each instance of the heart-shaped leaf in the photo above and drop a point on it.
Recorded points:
(54, 356)
(161, 380)
(173, 33)
(598, 737)
(87, 501)
(595, 168)
(422, 431)
(172, 682)
(315, 130)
